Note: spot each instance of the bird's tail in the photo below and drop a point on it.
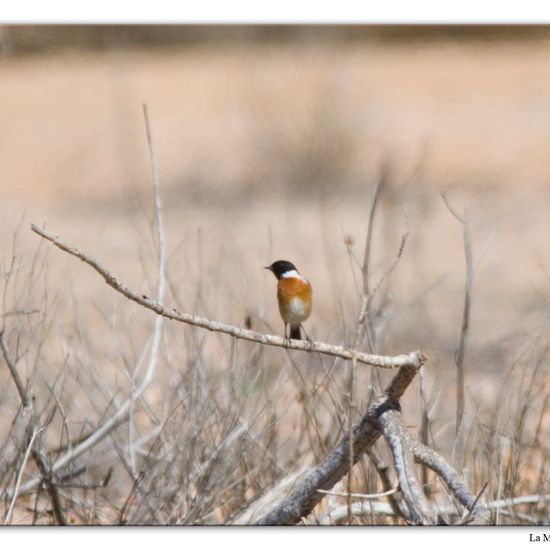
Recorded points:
(295, 332)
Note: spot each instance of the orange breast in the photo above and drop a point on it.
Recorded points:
(294, 296)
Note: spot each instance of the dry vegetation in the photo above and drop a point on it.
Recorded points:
(268, 152)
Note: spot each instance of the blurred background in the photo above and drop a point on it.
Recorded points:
(270, 141)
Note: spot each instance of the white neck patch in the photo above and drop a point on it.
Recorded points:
(292, 274)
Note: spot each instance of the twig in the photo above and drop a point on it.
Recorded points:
(9, 514)
(366, 261)
(470, 514)
(518, 501)
(351, 411)
(364, 325)
(201, 469)
(414, 359)
(46, 476)
(424, 427)
(25, 401)
(19, 312)
(37, 455)
(485, 247)
(161, 282)
(161, 244)
(362, 508)
(382, 508)
(505, 452)
(372, 496)
(461, 351)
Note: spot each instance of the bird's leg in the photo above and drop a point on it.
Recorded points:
(286, 339)
(308, 338)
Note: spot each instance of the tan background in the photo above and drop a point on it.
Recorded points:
(269, 149)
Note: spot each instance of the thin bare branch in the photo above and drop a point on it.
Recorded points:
(397, 505)
(38, 456)
(451, 209)
(368, 241)
(461, 351)
(519, 501)
(414, 359)
(382, 508)
(9, 514)
(161, 283)
(372, 496)
(469, 516)
(25, 401)
(363, 508)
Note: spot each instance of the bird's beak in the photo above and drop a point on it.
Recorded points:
(267, 267)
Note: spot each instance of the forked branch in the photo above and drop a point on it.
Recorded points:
(39, 458)
(336, 464)
(382, 418)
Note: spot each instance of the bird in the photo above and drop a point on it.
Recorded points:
(294, 294)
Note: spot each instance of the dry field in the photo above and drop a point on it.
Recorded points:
(272, 152)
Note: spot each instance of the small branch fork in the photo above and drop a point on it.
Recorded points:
(382, 418)
(414, 359)
(39, 458)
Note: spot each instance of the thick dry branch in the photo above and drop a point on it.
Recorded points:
(336, 464)
(270, 499)
(453, 481)
(414, 359)
(383, 417)
(397, 505)
(404, 448)
(398, 440)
